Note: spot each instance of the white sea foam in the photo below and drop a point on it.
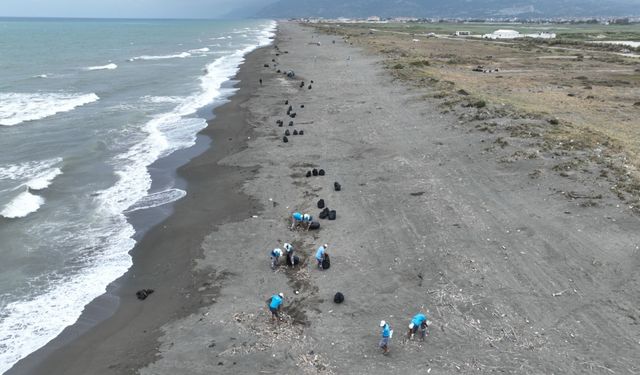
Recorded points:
(41, 76)
(158, 199)
(22, 205)
(110, 66)
(43, 180)
(199, 50)
(171, 131)
(162, 57)
(180, 132)
(16, 108)
(30, 170)
(34, 175)
(162, 99)
(29, 324)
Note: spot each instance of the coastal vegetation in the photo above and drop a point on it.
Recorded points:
(579, 98)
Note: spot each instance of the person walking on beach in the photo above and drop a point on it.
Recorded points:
(274, 306)
(288, 248)
(386, 336)
(320, 254)
(275, 257)
(260, 81)
(419, 322)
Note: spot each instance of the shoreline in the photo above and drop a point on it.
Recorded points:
(117, 311)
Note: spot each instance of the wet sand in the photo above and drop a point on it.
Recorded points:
(514, 277)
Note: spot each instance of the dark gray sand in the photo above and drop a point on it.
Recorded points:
(514, 277)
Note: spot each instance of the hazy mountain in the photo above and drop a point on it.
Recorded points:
(451, 8)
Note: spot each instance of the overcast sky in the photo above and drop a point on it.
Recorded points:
(128, 8)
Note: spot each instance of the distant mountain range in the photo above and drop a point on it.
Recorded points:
(451, 8)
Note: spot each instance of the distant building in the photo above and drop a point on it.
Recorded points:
(503, 34)
(373, 19)
(541, 35)
(512, 34)
(463, 33)
(404, 19)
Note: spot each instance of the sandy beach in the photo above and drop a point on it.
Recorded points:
(514, 276)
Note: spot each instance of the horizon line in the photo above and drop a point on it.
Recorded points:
(222, 18)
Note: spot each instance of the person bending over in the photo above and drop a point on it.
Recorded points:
(419, 322)
(320, 254)
(275, 257)
(288, 248)
(274, 306)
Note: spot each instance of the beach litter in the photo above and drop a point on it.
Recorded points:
(267, 336)
(142, 294)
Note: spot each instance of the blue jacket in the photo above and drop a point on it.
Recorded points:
(386, 330)
(320, 253)
(418, 319)
(276, 301)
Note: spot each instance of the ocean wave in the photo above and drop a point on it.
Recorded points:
(16, 108)
(199, 50)
(180, 133)
(28, 324)
(158, 199)
(22, 205)
(32, 175)
(162, 99)
(171, 131)
(29, 170)
(41, 76)
(43, 180)
(162, 57)
(110, 66)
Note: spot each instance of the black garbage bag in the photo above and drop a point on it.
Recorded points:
(143, 293)
(326, 262)
(321, 203)
(296, 261)
(338, 298)
(332, 215)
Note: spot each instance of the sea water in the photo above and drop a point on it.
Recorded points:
(85, 107)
